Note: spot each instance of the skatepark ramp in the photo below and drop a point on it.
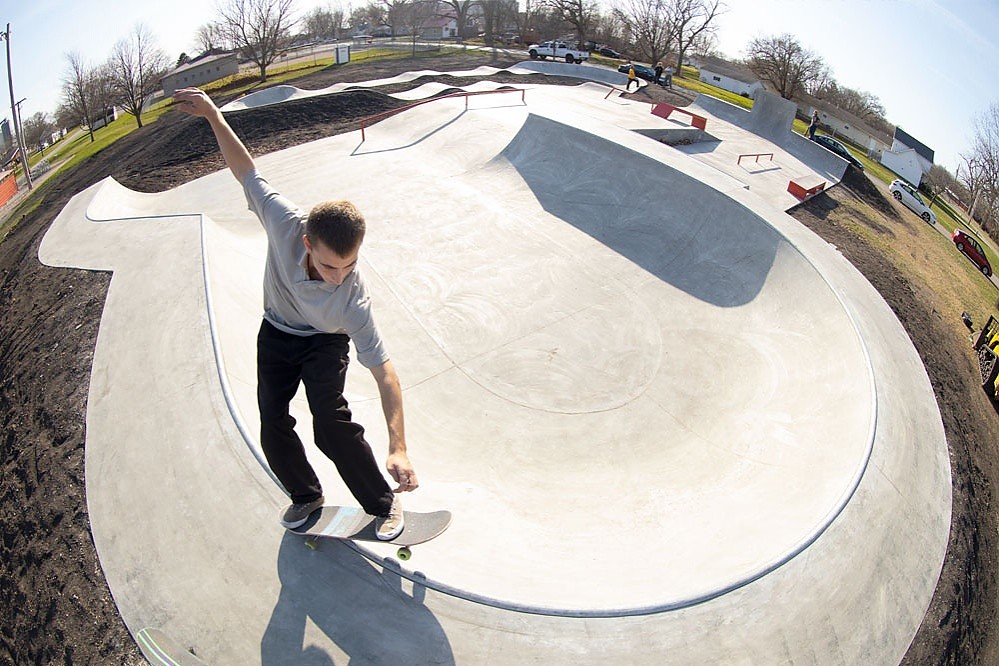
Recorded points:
(771, 118)
(671, 423)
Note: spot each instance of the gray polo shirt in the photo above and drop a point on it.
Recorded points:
(297, 304)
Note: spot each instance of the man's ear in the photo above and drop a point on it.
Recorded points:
(308, 245)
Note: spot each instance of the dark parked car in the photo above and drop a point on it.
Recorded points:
(641, 71)
(610, 53)
(837, 147)
(973, 250)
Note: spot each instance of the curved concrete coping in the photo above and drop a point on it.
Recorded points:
(283, 93)
(570, 325)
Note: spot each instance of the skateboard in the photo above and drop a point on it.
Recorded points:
(353, 524)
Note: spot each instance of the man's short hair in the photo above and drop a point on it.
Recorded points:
(338, 225)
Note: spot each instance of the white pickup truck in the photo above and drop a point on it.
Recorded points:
(557, 51)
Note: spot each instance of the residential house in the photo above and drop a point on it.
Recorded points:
(909, 158)
(729, 76)
(439, 27)
(202, 70)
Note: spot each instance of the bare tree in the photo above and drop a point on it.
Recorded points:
(38, 130)
(580, 14)
(78, 91)
(608, 29)
(549, 22)
(212, 36)
(324, 22)
(705, 44)
(413, 17)
(525, 20)
(982, 168)
(261, 29)
(105, 93)
(784, 63)
(496, 16)
(396, 14)
(137, 65)
(65, 117)
(648, 23)
(692, 20)
(372, 14)
(460, 12)
(862, 104)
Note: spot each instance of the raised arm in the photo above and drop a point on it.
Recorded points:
(196, 102)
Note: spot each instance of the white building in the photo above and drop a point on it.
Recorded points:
(439, 27)
(729, 76)
(908, 157)
(200, 71)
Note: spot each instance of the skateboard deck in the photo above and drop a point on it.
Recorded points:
(353, 524)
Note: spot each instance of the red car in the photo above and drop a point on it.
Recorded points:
(973, 250)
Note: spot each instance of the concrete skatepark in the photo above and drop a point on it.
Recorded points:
(673, 425)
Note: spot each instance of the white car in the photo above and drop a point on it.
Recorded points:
(908, 195)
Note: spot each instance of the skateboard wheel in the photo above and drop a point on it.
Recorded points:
(404, 553)
(311, 544)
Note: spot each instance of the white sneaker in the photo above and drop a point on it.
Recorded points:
(392, 525)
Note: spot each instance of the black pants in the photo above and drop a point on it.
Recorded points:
(283, 361)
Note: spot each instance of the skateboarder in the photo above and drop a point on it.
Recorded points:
(631, 78)
(315, 301)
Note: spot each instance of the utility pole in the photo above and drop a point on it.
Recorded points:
(14, 111)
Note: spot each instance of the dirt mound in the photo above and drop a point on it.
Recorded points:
(861, 187)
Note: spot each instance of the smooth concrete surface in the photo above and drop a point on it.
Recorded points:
(673, 425)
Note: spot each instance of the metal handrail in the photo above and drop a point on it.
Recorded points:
(756, 155)
(385, 114)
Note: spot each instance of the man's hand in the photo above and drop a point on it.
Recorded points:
(195, 102)
(401, 470)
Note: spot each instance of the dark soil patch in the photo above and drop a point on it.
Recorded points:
(54, 603)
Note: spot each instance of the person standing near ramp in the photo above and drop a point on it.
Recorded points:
(315, 302)
(631, 78)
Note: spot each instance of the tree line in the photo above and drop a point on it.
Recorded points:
(679, 27)
(126, 79)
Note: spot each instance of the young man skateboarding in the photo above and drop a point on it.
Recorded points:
(315, 302)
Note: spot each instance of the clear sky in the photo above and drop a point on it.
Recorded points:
(933, 63)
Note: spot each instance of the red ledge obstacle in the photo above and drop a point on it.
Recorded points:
(806, 187)
(663, 110)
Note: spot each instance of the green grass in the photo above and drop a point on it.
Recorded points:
(689, 80)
